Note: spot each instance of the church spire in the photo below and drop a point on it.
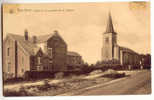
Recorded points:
(109, 28)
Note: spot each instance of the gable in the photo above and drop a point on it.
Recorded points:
(27, 46)
(56, 41)
(7, 40)
(39, 53)
(31, 48)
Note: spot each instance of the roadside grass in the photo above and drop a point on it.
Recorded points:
(71, 83)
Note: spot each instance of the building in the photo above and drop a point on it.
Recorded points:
(37, 53)
(74, 59)
(112, 51)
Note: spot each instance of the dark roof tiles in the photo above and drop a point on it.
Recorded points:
(27, 45)
(127, 50)
(31, 47)
(70, 53)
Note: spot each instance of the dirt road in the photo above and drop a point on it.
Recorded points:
(139, 83)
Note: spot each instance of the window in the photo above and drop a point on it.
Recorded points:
(22, 70)
(39, 60)
(50, 52)
(22, 60)
(9, 67)
(38, 68)
(8, 51)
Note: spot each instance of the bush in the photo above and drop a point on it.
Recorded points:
(38, 75)
(46, 86)
(59, 75)
(46, 83)
(11, 93)
(110, 71)
(95, 72)
(13, 80)
(113, 74)
(21, 92)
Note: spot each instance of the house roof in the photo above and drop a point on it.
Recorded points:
(44, 38)
(70, 53)
(29, 46)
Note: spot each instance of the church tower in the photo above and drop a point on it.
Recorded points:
(109, 41)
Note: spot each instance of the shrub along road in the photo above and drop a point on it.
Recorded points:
(96, 83)
(138, 83)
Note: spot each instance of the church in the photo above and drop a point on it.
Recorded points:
(112, 51)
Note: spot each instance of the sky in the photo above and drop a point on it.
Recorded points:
(82, 25)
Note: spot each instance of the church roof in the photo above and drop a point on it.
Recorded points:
(127, 50)
(109, 28)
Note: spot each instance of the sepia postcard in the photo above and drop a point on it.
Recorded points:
(76, 49)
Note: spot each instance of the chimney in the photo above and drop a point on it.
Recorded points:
(34, 39)
(55, 32)
(26, 35)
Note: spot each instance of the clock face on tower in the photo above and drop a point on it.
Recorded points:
(106, 40)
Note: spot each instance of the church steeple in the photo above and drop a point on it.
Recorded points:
(109, 28)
